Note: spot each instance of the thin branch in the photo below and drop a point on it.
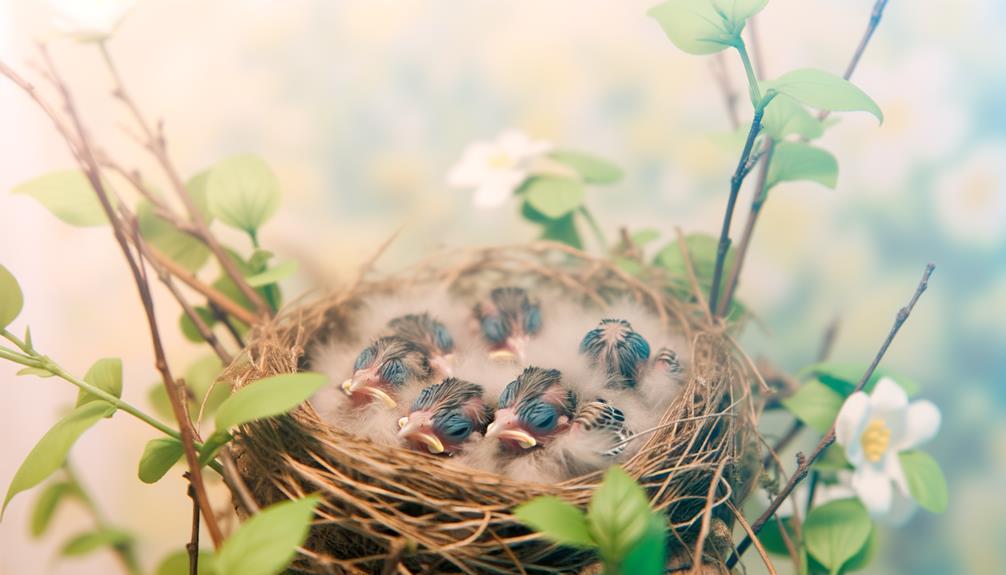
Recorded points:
(760, 194)
(735, 187)
(193, 545)
(829, 437)
(158, 148)
(214, 295)
(751, 533)
(90, 167)
(707, 516)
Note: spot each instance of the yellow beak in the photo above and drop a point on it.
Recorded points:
(411, 430)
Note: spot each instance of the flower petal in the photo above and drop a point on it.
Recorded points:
(495, 190)
(888, 396)
(849, 425)
(922, 423)
(903, 507)
(473, 168)
(874, 489)
(519, 146)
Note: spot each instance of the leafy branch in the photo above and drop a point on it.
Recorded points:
(805, 462)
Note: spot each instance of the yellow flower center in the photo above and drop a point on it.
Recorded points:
(875, 440)
(500, 160)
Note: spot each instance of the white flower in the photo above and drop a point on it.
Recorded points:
(496, 169)
(873, 429)
(90, 20)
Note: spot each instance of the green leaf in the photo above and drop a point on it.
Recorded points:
(796, 161)
(563, 230)
(784, 116)
(836, 531)
(554, 197)
(68, 195)
(824, 91)
(188, 327)
(106, 375)
(243, 192)
(843, 377)
(771, 537)
(702, 251)
(87, 542)
(619, 514)
(815, 404)
(34, 371)
(645, 236)
(631, 267)
(274, 274)
(705, 26)
(46, 504)
(925, 480)
(180, 247)
(592, 169)
(199, 192)
(212, 445)
(268, 397)
(201, 377)
(860, 560)
(266, 543)
(649, 555)
(158, 457)
(178, 564)
(558, 520)
(50, 452)
(11, 298)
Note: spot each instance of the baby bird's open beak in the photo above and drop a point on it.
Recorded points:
(362, 383)
(510, 431)
(411, 429)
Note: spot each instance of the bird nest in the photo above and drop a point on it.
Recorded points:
(391, 510)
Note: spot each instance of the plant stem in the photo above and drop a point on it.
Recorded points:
(805, 462)
(760, 195)
(125, 551)
(602, 241)
(753, 88)
(43, 362)
(735, 187)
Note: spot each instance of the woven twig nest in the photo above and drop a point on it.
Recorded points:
(391, 510)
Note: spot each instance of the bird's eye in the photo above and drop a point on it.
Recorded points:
(456, 427)
(532, 319)
(443, 339)
(493, 329)
(365, 358)
(402, 421)
(542, 417)
(393, 371)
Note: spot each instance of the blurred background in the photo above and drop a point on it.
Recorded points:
(362, 106)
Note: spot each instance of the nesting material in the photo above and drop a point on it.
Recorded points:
(383, 500)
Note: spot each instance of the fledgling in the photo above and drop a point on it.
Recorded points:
(667, 365)
(429, 334)
(606, 422)
(618, 350)
(533, 409)
(445, 416)
(507, 320)
(383, 368)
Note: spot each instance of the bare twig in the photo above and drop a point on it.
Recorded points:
(236, 483)
(735, 187)
(707, 516)
(157, 146)
(91, 170)
(193, 545)
(751, 533)
(829, 438)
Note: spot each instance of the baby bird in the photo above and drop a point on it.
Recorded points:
(444, 416)
(666, 363)
(507, 320)
(383, 368)
(429, 334)
(533, 409)
(605, 421)
(617, 349)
